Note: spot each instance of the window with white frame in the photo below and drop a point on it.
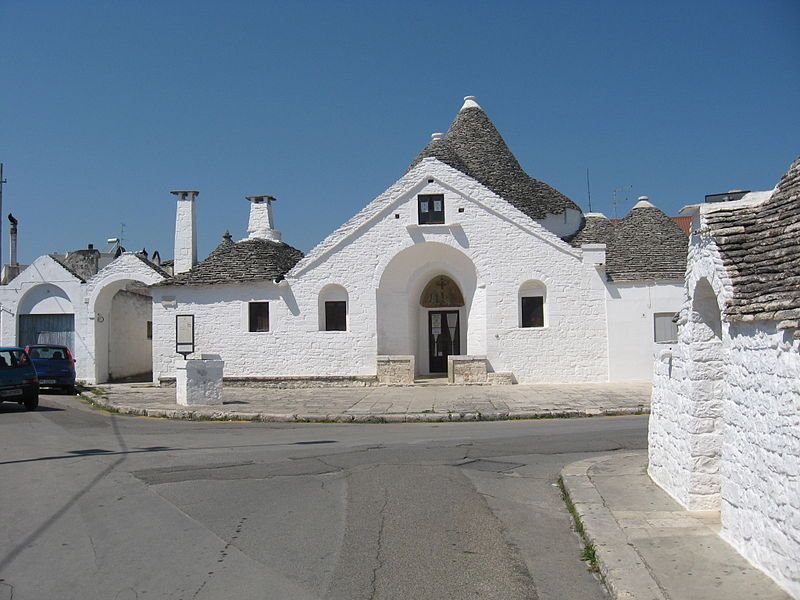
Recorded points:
(333, 308)
(665, 329)
(532, 304)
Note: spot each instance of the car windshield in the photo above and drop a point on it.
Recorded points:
(10, 359)
(49, 352)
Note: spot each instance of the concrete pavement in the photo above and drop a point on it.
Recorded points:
(423, 403)
(100, 506)
(647, 546)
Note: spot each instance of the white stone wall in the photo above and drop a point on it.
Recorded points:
(130, 351)
(383, 259)
(724, 428)
(44, 287)
(95, 320)
(761, 450)
(631, 308)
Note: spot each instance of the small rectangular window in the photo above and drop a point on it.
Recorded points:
(259, 316)
(532, 311)
(336, 315)
(149, 330)
(431, 209)
(664, 329)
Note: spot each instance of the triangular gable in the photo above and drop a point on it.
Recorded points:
(31, 274)
(446, 176)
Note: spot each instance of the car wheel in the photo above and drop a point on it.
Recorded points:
(70, 390)
(32, 402)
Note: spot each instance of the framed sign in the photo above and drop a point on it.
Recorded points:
(184, 334)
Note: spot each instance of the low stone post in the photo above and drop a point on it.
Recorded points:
(199, 380)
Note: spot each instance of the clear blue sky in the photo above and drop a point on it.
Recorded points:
(106, 106)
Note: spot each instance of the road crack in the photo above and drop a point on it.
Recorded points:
(379, 550)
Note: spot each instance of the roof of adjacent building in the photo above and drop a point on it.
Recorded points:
(646, 245)
(760, 248)
(473, 146)
(253, 259)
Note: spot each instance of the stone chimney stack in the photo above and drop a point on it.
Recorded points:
(185, 231)
(261, 225)
(12, 241)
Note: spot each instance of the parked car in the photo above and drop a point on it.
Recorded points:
(18, 380)
(54, 365)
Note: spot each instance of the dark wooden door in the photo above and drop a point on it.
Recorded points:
(444, 338)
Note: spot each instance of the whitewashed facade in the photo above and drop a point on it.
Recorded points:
(103, 317)
(495, 246)
(724, 431)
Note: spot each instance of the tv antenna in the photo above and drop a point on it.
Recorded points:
(588, 189)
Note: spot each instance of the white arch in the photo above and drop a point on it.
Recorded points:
(45, 298)
(401, 321)
(126, 270)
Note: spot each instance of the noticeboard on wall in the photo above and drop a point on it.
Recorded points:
(184, 334)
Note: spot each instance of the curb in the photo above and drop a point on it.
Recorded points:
(214, 414)
(622, 570)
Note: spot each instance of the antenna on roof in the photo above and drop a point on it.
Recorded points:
(588, 189)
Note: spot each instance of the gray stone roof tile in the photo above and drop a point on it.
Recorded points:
(646, 245)
(760, 248)
(240, 262)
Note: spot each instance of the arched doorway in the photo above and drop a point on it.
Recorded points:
(427, 279)
(443, 302)
(123, 331)
(46, 316)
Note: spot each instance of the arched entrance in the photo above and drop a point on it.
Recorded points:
(123, 336)
(443, 302)
(46, 316)
(430, 305)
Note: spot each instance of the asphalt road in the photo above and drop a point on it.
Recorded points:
(99, 506)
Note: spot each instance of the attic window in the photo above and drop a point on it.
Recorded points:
(431, 209)
(258, 316)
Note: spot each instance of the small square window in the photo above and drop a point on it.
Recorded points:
(665, 330)
(431, 209)
(149, 330)
(335, 315)
(258, 316)
(532, 311)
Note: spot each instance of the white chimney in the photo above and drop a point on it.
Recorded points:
(261, 225)
(185, 231)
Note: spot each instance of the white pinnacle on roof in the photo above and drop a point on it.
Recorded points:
(470, 102)
(644, 202)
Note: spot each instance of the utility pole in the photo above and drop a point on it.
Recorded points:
(2, 181)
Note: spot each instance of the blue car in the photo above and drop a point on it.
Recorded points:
(18, 380)
(54, 365)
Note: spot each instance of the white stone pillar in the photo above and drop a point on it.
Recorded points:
(185, 231)
(198, 381)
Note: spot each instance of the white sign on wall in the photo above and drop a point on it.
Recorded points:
(184, 334)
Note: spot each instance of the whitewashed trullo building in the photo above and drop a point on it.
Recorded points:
(465, 255)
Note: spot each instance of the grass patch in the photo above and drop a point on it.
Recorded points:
(589, 554)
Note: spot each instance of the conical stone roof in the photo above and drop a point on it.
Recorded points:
(646, 245)
(475, 147)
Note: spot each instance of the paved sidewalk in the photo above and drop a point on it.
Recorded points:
(647, 546)
(386, 404)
